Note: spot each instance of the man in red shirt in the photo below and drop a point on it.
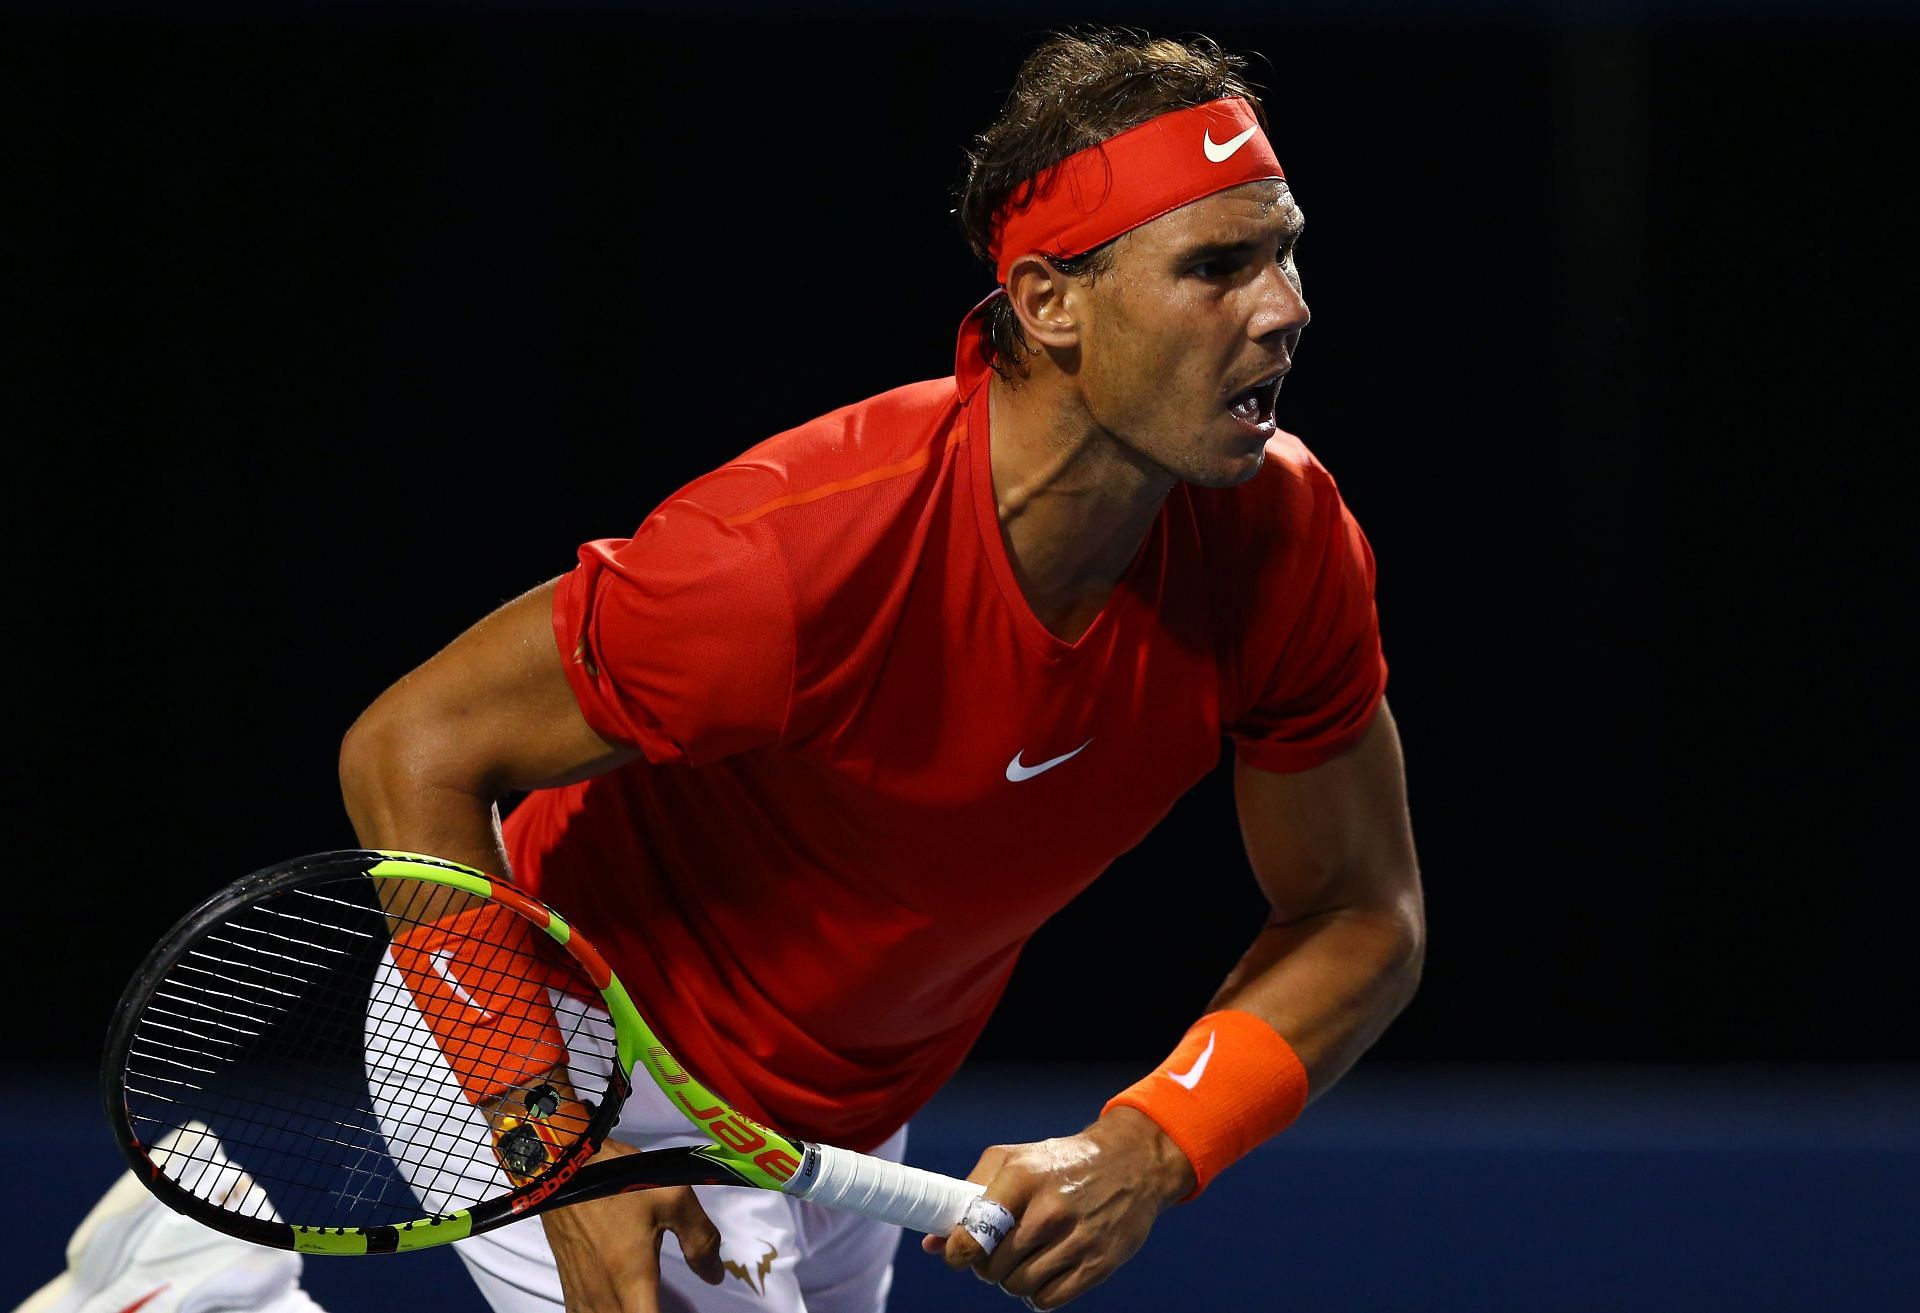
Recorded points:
(817, 749)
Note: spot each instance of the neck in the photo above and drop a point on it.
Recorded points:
(1074, 503)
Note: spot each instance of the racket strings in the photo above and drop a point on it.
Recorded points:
(270, 978)
(362, 1149)
(325, 1072)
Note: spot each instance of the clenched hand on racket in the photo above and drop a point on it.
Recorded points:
(1083, 1205)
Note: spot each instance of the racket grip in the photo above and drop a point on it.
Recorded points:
(885, 1191)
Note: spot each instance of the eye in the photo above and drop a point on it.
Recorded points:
(1221, 266)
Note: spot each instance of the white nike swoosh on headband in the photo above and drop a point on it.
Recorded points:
(1221, 152)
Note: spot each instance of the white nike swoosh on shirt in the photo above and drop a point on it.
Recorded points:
(1221, 152)
(1192, 1078)
(1016, 771)
(440, 960)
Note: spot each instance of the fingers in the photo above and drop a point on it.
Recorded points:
(1057, 1275)
(1031, 1251)
(962, 1248)
(641, 1295)
(1068, 1285)
(987, 1222)
(590, 1284)
(1052, 1278)
(979, 1241)
(978, 1235)
(1041, 1274)
(699, 1238)
(1066, 1239)
(608, 1251)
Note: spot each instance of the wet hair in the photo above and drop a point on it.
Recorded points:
(1076, 90)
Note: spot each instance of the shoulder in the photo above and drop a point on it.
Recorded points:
(839, 505)
(853, 447)
(831, 506)
(687, 637)
(724, 523)
(770, 501)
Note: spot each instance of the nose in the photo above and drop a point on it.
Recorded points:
(1281, 309)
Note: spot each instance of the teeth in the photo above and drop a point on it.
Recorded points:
(1256, 405)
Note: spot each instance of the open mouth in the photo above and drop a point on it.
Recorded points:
(1254, 406)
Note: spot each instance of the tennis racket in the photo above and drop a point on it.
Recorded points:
(401, 1052)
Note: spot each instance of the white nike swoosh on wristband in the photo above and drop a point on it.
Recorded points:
(440, 960)
(1221, 152)
(1192, 1078)
(1018, 770)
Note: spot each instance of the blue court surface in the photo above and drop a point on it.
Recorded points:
(1741, 1189)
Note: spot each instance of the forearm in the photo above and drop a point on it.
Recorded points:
(1330, 983)
(394, 804)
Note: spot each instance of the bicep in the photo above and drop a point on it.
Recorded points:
(491, 712)
(1334, 837)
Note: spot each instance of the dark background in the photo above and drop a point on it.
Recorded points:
(336, 326)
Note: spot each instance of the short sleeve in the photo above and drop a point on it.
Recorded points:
(679, 641)
(1312, 661)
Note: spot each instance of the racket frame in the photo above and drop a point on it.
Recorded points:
(740, 1151)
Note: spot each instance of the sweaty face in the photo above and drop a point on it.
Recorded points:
(1185, 340)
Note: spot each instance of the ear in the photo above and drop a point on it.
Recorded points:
(1044, 301)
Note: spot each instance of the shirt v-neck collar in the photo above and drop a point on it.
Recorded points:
(972, 369)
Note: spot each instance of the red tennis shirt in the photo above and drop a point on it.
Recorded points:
(870, 773)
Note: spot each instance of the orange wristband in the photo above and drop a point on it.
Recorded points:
(1231, 1084)
(481, 986)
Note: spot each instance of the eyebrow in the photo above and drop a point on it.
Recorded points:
(1215, 250)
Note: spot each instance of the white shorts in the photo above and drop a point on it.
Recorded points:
(781, 1255)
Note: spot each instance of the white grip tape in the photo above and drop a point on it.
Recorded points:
(904, 1196)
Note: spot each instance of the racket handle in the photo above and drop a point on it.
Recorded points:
(888, 1192)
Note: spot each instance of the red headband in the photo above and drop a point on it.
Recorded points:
(1145, 172)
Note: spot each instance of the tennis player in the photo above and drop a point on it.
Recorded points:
(818, 748)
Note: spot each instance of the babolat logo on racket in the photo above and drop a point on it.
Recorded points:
(559, 1178)
(809, 1171)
